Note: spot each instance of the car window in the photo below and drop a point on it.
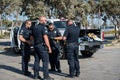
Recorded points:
(60, 24)
(110, 27)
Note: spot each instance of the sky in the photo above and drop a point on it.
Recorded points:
(23, 18)
(96, 21)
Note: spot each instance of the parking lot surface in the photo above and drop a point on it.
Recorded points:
(104, 65)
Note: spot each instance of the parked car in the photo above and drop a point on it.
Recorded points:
(108, 28)
(14, 37)
(88, 46)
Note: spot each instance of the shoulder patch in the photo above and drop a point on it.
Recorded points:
(55, 32)
(45, 28)
(46, 31)
(21, 31)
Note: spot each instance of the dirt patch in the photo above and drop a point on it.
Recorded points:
(114, 43)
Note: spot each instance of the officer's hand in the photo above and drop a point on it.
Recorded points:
(28, 42)
(64, 38)
(49, 50)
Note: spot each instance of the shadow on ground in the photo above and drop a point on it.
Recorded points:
(12, 69)
(8, 52)
(18, 71)
(51, 72)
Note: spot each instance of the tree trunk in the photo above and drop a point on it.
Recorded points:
(0, 24)
(115, 29)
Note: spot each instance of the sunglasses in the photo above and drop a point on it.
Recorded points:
(29, 23)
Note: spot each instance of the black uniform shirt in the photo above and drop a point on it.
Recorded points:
(38, 32)
(25, 32)
(54, 33)
(72, 33)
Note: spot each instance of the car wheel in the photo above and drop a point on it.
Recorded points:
(87, 53)
(16, 50)
(62, 52)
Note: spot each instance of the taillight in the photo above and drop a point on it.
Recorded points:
(102, 35)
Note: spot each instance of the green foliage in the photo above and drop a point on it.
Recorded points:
(5, 36)
(63, 8)
(7, 23)
(111, 7)
(1, 36)
(33, 9)
(112, 10)
(82, 10)
(10, 6)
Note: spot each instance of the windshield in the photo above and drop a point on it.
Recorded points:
(60, 24)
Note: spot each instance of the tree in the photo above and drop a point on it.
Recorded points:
(8, 7)
(112, 10)
(34, 8)
(64, 8)
(83, 10)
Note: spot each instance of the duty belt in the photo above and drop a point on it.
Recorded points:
(40, 44)
(72, 44)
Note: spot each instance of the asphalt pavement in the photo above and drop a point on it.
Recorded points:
(104, 65)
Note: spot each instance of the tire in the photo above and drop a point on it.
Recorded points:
(16, 50)
(62, 52)
(87, 53)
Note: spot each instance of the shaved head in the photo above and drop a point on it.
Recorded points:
(42, 19)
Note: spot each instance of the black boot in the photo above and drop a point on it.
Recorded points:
(48, 78)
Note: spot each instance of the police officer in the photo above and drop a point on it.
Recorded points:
(42, 48)
(54, 37)
(24, 36)
(71, 35)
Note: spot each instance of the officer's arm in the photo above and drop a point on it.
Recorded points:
(47, 43)
(59, 37)
(31, 38)
(65, 34)
(23, 39)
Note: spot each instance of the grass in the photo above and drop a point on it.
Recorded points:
(5, 36)
(110, 32)
(114, 42)
(1, 36)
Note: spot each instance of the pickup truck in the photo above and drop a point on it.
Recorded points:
(87, 45)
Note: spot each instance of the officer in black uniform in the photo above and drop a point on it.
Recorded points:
(71, 36)
(54, 37)
(24, 36)
(42, 48)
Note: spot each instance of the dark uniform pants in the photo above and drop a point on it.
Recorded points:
(55, 59)
(25, 50)
(72, 55)
(42, 53)
(36, 64)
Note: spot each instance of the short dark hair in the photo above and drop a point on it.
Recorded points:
(69, 20)
(27, 21)
(50, 24)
